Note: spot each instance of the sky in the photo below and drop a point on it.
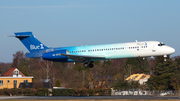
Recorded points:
(60, 23)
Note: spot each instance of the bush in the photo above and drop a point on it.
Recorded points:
(41, 92)
(15, 91)
(25, 92)
(2, 92)
(81, 92)
(63, 92)
(29, 92)
(58, 83)
(55, 92)
(90, 92)
(6, 91)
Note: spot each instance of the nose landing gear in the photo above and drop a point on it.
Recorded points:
(165, 56)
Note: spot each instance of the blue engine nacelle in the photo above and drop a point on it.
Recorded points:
(55, 55)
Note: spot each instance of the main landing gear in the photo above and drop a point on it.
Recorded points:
(88, 64)
(165, 56)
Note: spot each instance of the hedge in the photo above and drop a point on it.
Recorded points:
(55, 92)
(81, 92)
(24, 92)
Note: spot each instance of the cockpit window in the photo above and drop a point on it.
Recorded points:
(161, 44)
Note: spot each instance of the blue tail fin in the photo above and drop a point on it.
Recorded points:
(31, 43)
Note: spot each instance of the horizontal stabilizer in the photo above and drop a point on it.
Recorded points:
(19, 36)
(11, 36)
(22, 36)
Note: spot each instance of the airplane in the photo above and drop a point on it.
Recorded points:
(88, 54)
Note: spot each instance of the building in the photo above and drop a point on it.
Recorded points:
(140, 78)
(13, 78)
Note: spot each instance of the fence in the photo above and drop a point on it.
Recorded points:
(146, 92)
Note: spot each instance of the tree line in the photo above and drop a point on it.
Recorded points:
(104, 74)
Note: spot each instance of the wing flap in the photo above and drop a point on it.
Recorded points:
(82, 58)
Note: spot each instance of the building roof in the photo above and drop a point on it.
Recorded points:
(137, 77)
(132, 76)
(11, 72)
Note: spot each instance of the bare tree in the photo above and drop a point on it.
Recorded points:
(91, 80)
(102, 69)
(35, 69)
(4, 67)
(128, 70)
(17, 58)
(46, 66)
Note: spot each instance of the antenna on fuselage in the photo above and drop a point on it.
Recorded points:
(136, 40)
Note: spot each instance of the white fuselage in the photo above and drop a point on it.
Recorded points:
(122, 50)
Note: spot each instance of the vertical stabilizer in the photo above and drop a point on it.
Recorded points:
(30, 42)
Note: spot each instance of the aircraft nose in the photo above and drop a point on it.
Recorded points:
(171, 50)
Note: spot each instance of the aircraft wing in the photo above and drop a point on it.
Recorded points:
(82, 58)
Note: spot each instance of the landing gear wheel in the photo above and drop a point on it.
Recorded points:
(86, 65)
(91, 65)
